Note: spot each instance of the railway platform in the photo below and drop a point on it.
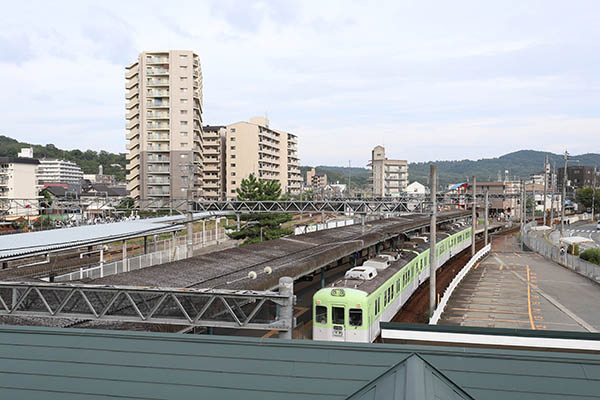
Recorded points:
(523, 290)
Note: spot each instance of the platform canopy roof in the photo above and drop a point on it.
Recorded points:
(68, 364)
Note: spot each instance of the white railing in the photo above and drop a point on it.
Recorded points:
(165, 251)
(300, 230)
(455, 282)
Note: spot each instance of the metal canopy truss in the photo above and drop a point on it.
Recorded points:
(358, 206)
(240, 309)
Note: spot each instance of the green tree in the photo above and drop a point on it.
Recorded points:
(585, 196)
(264, 226)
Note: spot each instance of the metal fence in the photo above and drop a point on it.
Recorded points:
(552, 252)
(164, 251)
(435, 318)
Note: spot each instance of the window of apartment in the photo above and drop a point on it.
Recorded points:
(233, 156)
(183, 112)
(183, 123)
(184, 156)
(232, 147)
(232, 173)
(233, 165)
(183, 134)
(183, 101)
(183, 56)
(232, 191)
(233, 182)
(183, 78)
(232, 139)
(232, 130)
(184, 144)
(183, 89)
(183, 66)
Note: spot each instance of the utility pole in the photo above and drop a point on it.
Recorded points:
(545, 187)
(564, 196)
(189, 225)
(552, 199)
(474, 216)
(349, 177)
(593, 195)
(432, 240)
(534, 205)
(486, 224)
(522, 212)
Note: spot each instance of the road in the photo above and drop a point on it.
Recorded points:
(523, 290)
(585, 230)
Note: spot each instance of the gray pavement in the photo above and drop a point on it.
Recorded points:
(523, 290)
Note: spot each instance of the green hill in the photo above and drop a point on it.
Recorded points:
(88, 161)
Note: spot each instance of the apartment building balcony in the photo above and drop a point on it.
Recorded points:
(392, 177)
(157, 115)
(132, 72)
(157, 103)
(159, 193)
(132, 134)
(157, 59)
(151, 82)
(131, 83)
(133, 123)
(3, 180)
(159, 158)
(159, 180)
(157, 93)
(164, 137)
(157, 71)
(133, 144)
(157, 126)
(134, 112)
(134, 102)
(133, 160)
(211, 151)
(159, 169)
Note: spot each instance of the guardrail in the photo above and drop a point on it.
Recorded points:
(455, 282)
(553, 253)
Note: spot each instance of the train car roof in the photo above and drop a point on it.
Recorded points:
(407, 254)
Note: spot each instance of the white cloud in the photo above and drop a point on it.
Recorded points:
(440, 80)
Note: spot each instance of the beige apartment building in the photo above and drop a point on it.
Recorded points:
(389, 177)
(255, 148)
(164, 124)
(314, 180)
(214, 162)
(18, 180)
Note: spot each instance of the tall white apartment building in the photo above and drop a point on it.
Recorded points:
(164, 114)
(390, 177)
(270, 154)
(58, 171)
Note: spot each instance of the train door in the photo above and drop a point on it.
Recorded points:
(338, 321)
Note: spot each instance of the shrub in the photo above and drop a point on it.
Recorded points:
(591, 255)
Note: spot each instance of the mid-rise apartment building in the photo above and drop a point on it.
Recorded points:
(214, 162)
(578, 176)
(255, 148)
(389, 177)
(314, 180)
(58, 171)
(164, 114)
(18, 180)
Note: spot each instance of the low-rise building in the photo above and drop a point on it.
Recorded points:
(18, 182)
(389, 177)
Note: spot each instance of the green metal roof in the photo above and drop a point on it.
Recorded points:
(50, 363)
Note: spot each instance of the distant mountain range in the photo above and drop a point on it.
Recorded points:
(520, 164)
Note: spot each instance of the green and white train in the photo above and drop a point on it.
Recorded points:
(351, 309)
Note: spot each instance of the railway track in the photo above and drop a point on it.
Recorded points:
(416, 309)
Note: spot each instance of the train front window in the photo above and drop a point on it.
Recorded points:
(355, 317)
(338, 315)
(321, 314)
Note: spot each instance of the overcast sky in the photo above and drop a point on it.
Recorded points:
(427, 79)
